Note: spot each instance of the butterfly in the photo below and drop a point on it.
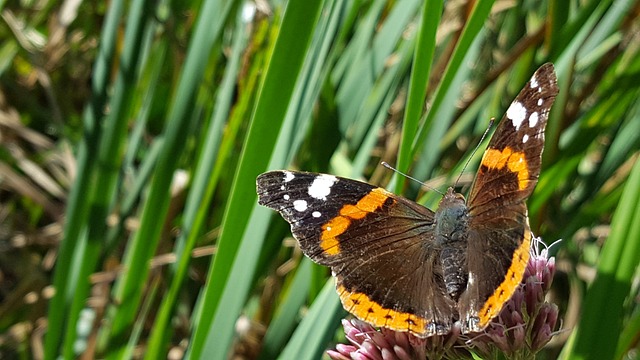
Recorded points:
(402, 266)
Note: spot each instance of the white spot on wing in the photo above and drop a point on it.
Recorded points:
(534, 82)
(281, 187)
(288, 176)
(525, 138)
(516, 113)
(533, 119)
(321, 186)
(316, 214)
(286, 197)
(300, 205)
(540, 102)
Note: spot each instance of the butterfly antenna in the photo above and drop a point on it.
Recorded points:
(486, 132)
(385, 164)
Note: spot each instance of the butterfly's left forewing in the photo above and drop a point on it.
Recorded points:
(379, 247)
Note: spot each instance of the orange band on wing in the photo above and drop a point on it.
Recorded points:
(365, 309)
(338, 225)
(503, 293)
(515, 161)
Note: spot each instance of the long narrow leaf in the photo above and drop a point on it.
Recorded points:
(213, 333)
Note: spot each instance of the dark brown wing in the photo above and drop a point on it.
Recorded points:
(511, 164)
(379, 246)
(500, 237)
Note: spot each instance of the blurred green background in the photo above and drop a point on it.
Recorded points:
(131, 134)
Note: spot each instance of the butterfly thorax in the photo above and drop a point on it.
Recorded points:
(452, 220)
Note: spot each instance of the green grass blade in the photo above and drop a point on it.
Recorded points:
(199, 196)
(78, 206)
(472, 28)
(368, 53)
(283, 322)
(222, 303)
(445, 115)
(597, 336)
(317, 327)
(629, 336)
(112, 143)
(128, 288)
(420, 71)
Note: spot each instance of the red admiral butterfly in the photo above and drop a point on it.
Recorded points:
(402, 266)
